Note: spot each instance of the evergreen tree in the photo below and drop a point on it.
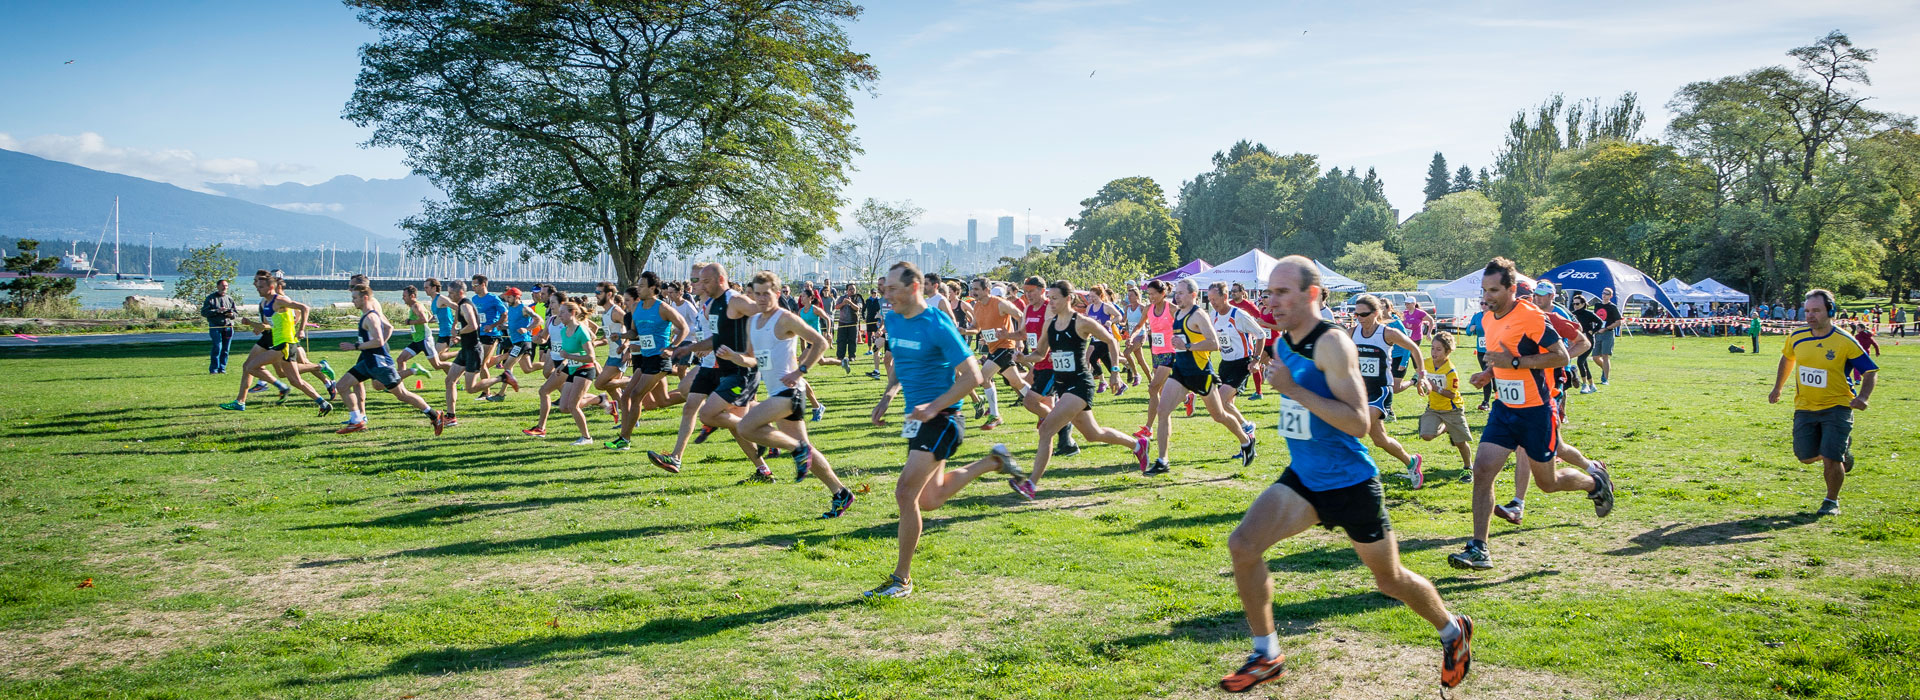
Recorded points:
(1437, 184)
(1462, 179)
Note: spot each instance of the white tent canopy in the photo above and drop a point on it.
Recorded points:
(1251, 269)
(1467, 287)
(1720, 292)
(1685, 293)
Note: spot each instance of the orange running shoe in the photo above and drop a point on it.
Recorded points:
(1255, 672)
(1457, 658)
(352, 428)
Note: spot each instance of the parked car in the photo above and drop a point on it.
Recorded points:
(1399, 299)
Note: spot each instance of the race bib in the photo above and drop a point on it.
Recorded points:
(1813, 377)
(1513, 392)
(1159, 340)
(713, 326)
(558, 356)
(1033, 340)
(647, 343)
(1062, 360)
(764, 358)
(1294, 423)
(990, 335)
(910, 429)
(1370, 367)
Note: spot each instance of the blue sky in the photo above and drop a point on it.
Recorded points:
(983, 108)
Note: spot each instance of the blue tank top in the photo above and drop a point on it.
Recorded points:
(375, 355)
(647, 324)
(266, 309)
(1324, 457)
(443, 315)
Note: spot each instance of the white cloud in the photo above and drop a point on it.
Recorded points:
(174, 166)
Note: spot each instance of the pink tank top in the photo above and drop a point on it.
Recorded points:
(1160, 330)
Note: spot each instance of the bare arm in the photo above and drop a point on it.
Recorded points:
(1347, 410)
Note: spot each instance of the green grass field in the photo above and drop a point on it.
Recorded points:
(257, 554)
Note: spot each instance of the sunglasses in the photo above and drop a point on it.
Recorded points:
(1363, 314)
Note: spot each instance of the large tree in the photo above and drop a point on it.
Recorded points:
(573, 129)
(1453, 235)
(1250, 199)
(1437, 184)
(1146, 234)
(883, 237)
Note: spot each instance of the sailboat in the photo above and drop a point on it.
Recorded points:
(123, 282)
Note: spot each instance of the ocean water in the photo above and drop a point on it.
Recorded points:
(91, 298)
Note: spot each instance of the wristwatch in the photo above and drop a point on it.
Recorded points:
(1515, 363)
(803, 369)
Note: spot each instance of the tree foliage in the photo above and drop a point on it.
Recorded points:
(1251, 198)
(576, 128)
(1146, 233)
(882, 240)
(33, 288)
(201, 270)
(1437, 184)
(1371, 264)
(1453, 235)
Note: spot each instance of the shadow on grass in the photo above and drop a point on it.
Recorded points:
(527, 652)
(447, 514)
(1297, 618)
(930, 525)
(524, 544)
(1713, 534)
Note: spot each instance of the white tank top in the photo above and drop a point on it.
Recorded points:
(774, 356)
(1373, 355)
(1232, 344)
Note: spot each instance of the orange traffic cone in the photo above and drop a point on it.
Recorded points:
(417, 385)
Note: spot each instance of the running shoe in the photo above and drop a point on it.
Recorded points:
(1100, 388)
(352, 428)
(802, 459)
(534, 432)
(979, 409)
(1846, 461)
(760, 475)
(1416, 472)
(1140, 452)
(1189, 405)
(583, 442)
(327, 370)
(992, 422)
(325, 408)
(1602, 495)
(875, 374)
(1456, 658)
(419, 371)
(1474, 557)
(841, 502)
(448, 420)
(605, 402)
(1159, 467)
(1119, 388)
(1258, 670)
(1008, 466)
(1066, 450)
(1024, 487)
(667, 462)
(819, 413)
(618, 444)
(1388, 410)
(510, 381)
(1255, 396)
(1603, 381)
(258, 386)
(284, 391)
(1249, 451)
(1483, 407)
(895, 587)
(1466, 477)
(1145, 431)
(494, 398)
(1512, 511)
(332, 393)
(1588, 389)
(438, 424)
(1828, 507)
(705, 431)
(233, 406)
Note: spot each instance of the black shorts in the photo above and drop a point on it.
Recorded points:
(1234, 373)
(419, 347)
(1360, 509)
(873, 332)
(797, 398)
(377, 369)
(939, 437)
(1101, 354)
(1827, 433)
(582, 372)
(1074, 383)
(705, 381)
(1042, 381)
(524, 347)
(1200, 384)
(1531, 430)
(443, 341)
(1002, 358)
(265, 342)
(738, 389)
(489, 339)
(1399, 367)
(469, 357)
(651, 364)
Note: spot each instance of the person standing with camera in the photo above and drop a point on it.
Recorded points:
(219, 310)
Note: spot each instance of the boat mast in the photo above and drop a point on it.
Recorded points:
(116, 237)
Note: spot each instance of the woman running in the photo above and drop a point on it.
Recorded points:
(1156, 334)
(280, 320)
(1068, 339)
(656, 327)
(576, 366)
(1374, 341)
(375, 365)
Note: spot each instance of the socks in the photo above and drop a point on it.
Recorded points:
(355, 417)
(281, 385)
(1453, 631)
(993, 401)
(1267, 646)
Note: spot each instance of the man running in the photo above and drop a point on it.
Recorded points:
(780, 421)
(1067, 338)
(656, 327)
(1375, 341)
(1331, 481)
(422, 345)
(993, 318)
(1824, 398)
(375, 365)
(1523, 350)
(936, 371)
(1190, 373)
(470, 362)
(724, 387)
(280, 320)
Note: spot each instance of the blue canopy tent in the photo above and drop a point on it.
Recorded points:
(1594, 274)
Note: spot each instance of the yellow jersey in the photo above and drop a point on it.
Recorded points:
(1451, 383)
(1821, 367)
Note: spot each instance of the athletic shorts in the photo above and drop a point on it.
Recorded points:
(1827, 433)
(939, 437)
(738, 389)
(614, 363)
(797, 398)
(582, 372)
(265, 342)
(1234, 373)
(651, 364)
(524, 347)
(1164, 359)
(489, 339)
(1075, 383)
(1603, 343)
(1042, 382)
(469, 357)
(1529, 429)
(705, 381)
(443, 341)
(1454, 422)
(374, 370)
(1102, 354)
(1360, 509)
(1200, 384)
(1399, 365)
(1003, 358)
(420, 347)
(1380, 398)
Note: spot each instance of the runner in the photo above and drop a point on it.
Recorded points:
(993, 319)
(1255, 345)
(871, 310)
(469, 362)
(1603, 342)
(492, 312)
(1374, 341)
(613, 322)
(1105, 313)
(1824, 398)
(576, 365)
(1569, 331)
(1238, 331)
(935, 369)
(1190, 370)
(656, 327)
(780, 421)
(1444, 412)
(442, 309)
(1135, 316)
(1156, 334)
(1523, 348)
(376, 366)
(1037, 396)
(422, 344)
(523, 321)
(1067, 340)
(280, 320)
(1330, 481)
(722, 390)
(557, 378)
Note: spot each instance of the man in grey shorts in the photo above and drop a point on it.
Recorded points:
(1609, 314)
(1825, 363)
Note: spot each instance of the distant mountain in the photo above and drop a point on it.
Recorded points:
(48, 199)
(374, 205)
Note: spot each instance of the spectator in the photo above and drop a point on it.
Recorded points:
(219, 310)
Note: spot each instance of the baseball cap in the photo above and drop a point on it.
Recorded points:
(1543, 288)
(511, 292)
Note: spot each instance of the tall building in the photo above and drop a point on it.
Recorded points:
(1004, 238)
(973, 235)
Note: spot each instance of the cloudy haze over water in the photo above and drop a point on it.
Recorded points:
(983, 108)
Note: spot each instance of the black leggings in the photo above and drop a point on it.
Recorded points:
(845, 339)
(1486, 392)
(1585, 373)
(1102, 355)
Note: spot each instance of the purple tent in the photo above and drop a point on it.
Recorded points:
(1193, 268)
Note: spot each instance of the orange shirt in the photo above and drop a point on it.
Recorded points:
(995, 326)
(1523, 331)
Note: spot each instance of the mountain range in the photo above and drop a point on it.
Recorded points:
(374, 205)
(49, 199)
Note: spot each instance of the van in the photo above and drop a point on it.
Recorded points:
(1399, 300)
